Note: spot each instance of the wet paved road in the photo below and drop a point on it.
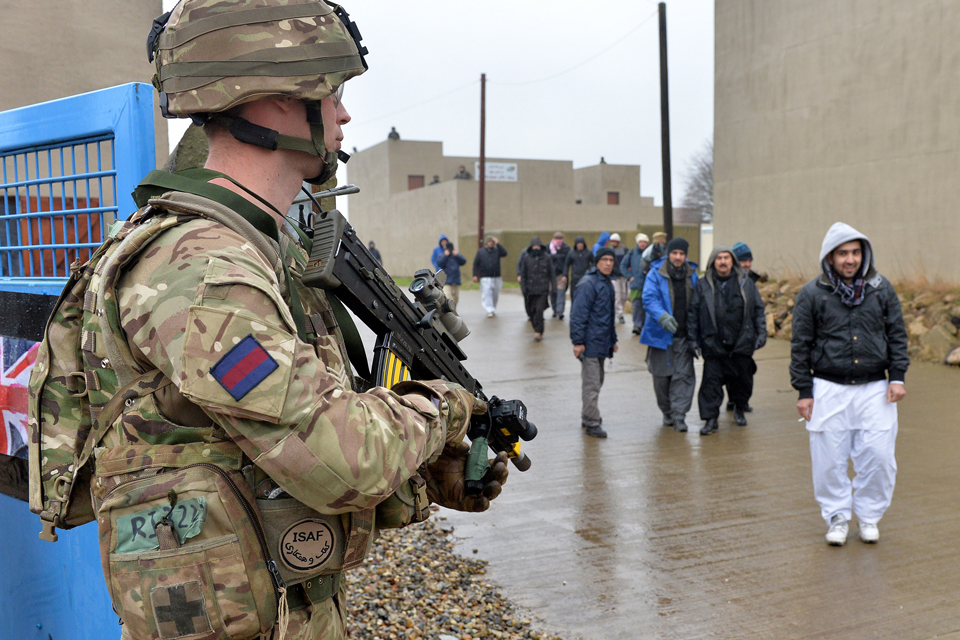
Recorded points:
(656, 534)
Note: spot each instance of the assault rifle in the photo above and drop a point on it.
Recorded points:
(415, 340)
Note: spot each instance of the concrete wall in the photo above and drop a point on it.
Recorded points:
(845, 110)
(52, 49)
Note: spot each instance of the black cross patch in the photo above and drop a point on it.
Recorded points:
(179, 610)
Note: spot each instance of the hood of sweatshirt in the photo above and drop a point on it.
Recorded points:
(841, 233)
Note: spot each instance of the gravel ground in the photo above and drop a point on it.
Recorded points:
(415, 586)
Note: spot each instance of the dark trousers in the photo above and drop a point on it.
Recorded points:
(536, 304)
(735, 372)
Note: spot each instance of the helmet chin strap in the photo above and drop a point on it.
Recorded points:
(250, 133)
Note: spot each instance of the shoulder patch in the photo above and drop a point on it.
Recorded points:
(244, 367)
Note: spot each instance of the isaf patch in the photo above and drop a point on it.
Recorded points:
(244, 367)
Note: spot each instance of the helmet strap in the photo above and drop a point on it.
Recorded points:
(250, 133)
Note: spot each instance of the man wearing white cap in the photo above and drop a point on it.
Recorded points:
(848, 361)
(619, 282)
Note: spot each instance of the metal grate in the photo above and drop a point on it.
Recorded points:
(57, 201)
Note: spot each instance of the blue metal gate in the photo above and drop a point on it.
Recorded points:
(67, 169)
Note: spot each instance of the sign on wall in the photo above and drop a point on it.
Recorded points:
(497, 171)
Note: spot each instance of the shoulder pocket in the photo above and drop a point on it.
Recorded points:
(221, 276)
(237, 363)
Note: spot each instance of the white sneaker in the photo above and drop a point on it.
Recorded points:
(837, 533)
(869, 533)
(490, 315)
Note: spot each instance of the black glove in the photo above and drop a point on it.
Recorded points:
(761, 341)
(694, 349)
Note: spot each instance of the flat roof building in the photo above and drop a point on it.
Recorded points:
(404, 212)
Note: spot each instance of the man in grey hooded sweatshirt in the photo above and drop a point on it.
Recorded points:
(848, 361)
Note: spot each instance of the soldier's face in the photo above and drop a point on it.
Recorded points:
(334, 116)
(846, 259)
(723, 263)
(605, 265)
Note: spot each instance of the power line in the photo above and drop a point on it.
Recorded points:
(413, 106)
(590, 59)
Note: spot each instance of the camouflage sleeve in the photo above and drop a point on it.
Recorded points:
(205, 308)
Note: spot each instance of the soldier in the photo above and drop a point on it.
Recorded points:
(241, 381)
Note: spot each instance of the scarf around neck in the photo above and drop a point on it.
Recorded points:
(850, 294)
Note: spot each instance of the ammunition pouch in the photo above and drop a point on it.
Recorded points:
(408, 504)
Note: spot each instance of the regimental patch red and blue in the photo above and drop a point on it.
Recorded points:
(244, 367)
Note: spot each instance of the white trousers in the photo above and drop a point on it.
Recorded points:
(853, 422)
(490, 293)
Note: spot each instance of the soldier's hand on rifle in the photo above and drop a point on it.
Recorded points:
(446, 479)
(460, 405)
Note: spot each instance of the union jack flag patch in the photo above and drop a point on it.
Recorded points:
(244, 367)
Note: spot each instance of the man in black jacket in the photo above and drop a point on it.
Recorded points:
(558, 251)
(594, 336)
(535, 276)
(486, 271)
(576, 264)
(848, 362)
(726, 321)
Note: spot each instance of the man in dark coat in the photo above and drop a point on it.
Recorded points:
(558, 251)
(486, 271)
(576, 264)
(594, 336)
(375, 252)
(537, 283)
(726, 321)
(848, 361)
(450, 262)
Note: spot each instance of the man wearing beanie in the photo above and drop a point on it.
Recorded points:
(848, 360)
(632, 269)
(745, 257)
(727, 322)
(666, 299)
(537, 283)
(594, 336)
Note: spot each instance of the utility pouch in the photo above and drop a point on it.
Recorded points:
(409, 503)
(304, 542)
(184, 555)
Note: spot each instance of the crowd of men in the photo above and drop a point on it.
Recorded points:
(848, 347)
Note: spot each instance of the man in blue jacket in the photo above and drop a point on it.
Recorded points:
(666, 299)
(438, 252)
(594, 336)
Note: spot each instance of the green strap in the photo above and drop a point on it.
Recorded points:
(195, 181)
(358, 357)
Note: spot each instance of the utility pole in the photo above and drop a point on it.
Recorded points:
(483, 156)
(665, 126)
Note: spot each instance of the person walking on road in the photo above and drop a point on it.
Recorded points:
(848, 362)
(450, 262)
(486, 271)
(558, 251)
(726, 321)
(438, 252)
(619, 282)
(594, 336)
(666, 299)
(632, 269)
(576, 265)
(374, 251)
(537, 283)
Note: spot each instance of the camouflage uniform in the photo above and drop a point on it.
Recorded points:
(195, 292)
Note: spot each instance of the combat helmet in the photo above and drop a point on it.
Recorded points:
(214, 55)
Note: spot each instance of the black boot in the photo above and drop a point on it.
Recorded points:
(710, 426)
(596, 431)
(680, 425)
(730, 405)
(738, 417)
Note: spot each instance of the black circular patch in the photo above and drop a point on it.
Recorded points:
(306, 545)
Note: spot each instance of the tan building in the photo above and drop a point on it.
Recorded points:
(848, 111)
(405, 214)
(53, 49)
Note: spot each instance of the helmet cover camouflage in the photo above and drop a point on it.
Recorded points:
(216, 54)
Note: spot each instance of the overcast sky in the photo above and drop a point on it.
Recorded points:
(565, 80)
